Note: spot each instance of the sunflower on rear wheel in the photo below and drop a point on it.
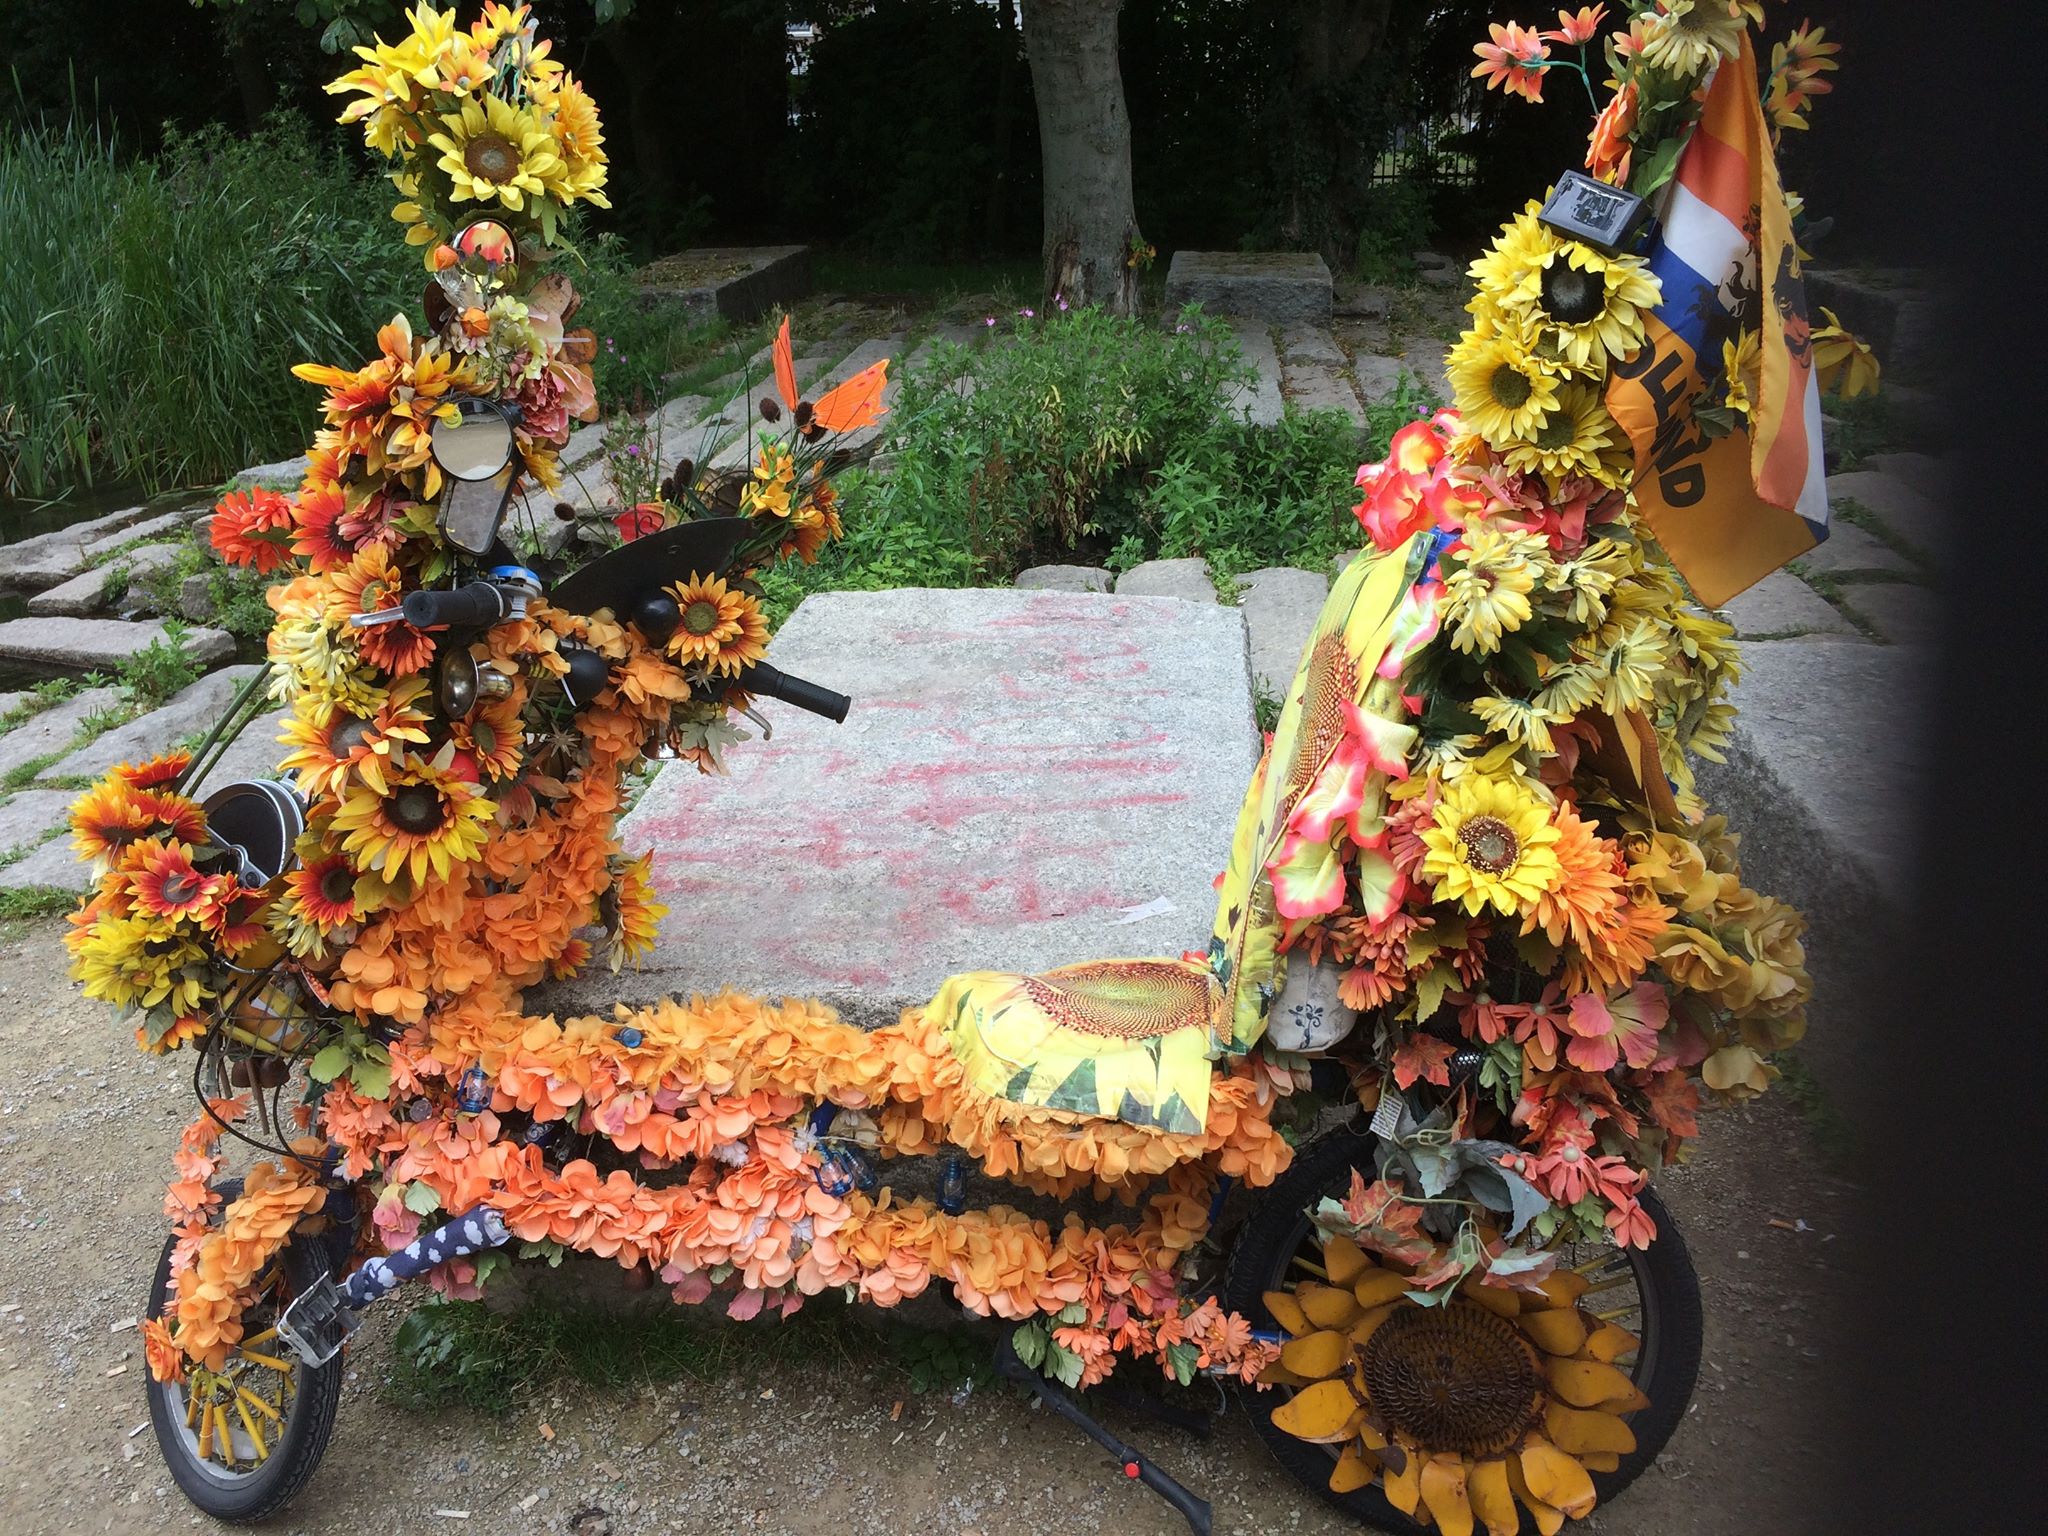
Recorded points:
(1463, 1410)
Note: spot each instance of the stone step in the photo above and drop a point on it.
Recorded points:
(1279, 287)
(189, 712)
(52, 866)
(251, 755)
(164, 524)
(1280, 606)
(32, 815)
(1019, 771)
(1850, 551)
(54, 729)
(1781, 606)
(1260, 403)
(1184, 580)
(1064, 578)
(48, 558)
(283, 475)
(740, 449)
(82, 594)
(88, 644)
(1315, 374)
(1902, 506)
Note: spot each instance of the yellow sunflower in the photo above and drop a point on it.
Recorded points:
(720, 626)
(427, 821)
(1487, 595)
(1577, 438)
(639, 914)
(1504, 389)
(579, 140)
(1491, 844)
(1522, 244)
(1685, 36)
(1458, 1411)
(495, 152)
(1590, 306)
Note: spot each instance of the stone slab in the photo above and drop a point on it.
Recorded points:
(1848, 550)
(251, 755)
(1441, 277)
(34, 563)
(1186, 580)
(54, 865)
(149, 527)
(1310, 344)
(284, 474)
(1319, 388)
(1902, 612)
(96, 643)
(1064, 578)
(9, 700)
(1280, 605)
(81, 595)
(1379, 378)
(1365, 301)
(1280, 287)
(1926, 473)
(28, 817)
(1259, 402)
(53, 729)
(1018, 771)
(766, 276)
(1780, 605)
(1896, 502)
(191, 710)
(1423, 355)
(741, 415)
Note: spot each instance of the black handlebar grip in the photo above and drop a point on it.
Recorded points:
(479, 603)
(774, 683)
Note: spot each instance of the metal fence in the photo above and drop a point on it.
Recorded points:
(1434, 150)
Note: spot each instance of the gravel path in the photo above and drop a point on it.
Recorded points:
(87, 1125)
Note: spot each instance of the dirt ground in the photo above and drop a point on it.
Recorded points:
(87, 1125)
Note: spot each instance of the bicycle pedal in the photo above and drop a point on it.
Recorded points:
(316, 1324)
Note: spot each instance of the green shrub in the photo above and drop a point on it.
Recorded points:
(160, 669)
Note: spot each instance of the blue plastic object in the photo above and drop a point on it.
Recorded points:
(473, 1092)
(953, 1187)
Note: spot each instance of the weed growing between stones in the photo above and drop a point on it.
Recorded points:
(160, 669)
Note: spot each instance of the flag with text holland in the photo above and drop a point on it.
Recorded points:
(1731, 509)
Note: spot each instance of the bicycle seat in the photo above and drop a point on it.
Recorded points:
(1137, 1040)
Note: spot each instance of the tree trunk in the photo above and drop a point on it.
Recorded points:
(249, 59)
(996, 229)
(1084, 133)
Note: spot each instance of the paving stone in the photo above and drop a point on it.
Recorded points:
(1064, 578)
(1259, 402)
(1442, 277)
(1902, 612)
(1781, 604)
(1280, 607)
(9, 700)
(1018, 771)
(1310, 344)
(1897, 503)
(1363, 300)
(101, 643)
(740, 449)
(1849, 550)
(81, 594)
(1423, 354)
(34, 563)
(760, 278)
(284, 474)
(251, 755)
(29, 816)
(1430, 261)
(1927, 474)
(163, 522)
(1316, 388)
(1187, 580)
(53, 729)
(1379, 378)
(54, 865)
(195, 596)
(1280, 287)
(192, 709)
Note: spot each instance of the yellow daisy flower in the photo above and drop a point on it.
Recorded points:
(1504, 389)
(1488, 594)
(426, 822)
(1684, 36)
(1577, 438)
(1491, 844)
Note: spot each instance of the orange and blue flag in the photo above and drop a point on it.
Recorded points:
(1728, 509)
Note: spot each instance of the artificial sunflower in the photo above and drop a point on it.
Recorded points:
(638, 913)
(106, 819)
(1685, 36)
(1843, 361)
(721, 626)
(495, 152)
(327, 744)
(372, 583)
(1504, 388)
(427, 821)
(1491, 843)
(1577, 438)
(1590, 306)
(163, 882)
(321, 892)
(1459, 1411)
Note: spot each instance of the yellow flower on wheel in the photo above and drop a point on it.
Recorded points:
(1463, 1411)
(720, 626)
(1491, 844)
(428, 820)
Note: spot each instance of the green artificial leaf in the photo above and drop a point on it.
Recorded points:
(1655, 168)
(329, 1062)
(1073, 1314)
(1182, 1359)
(1029, 1341)
(420, 1198)
(1062, 1364)
(372, 1078)
(1430, 990)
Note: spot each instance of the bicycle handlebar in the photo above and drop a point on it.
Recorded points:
(774, 683)
(478, 603)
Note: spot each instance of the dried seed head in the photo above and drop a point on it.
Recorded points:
(770, 411)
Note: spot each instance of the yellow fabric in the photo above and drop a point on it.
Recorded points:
(1125, 1039)
(1359, 615)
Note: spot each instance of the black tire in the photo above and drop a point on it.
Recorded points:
(1666, 1368)
(240, 1497)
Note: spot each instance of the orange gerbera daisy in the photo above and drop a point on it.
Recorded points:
(1607, 155)
(427, 821)
(1589, 889)
(721, 626)
(164, 882)
(322, 891)
(253, 528)
(321, 506)
(1513, 61)
(154, 773)
(1619, 949)
(372, 583)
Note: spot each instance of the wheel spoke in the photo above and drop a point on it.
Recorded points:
(1315, 1269)
(282, 1367)
(255, 1400)
(191, 1402)
(258, 1338)
(255, 1436)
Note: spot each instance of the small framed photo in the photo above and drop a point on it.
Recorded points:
(1604, 217)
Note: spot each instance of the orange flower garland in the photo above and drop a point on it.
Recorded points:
(212, 1292)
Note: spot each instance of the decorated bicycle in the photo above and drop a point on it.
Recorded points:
(1479, 956)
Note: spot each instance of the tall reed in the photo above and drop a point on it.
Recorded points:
(150, 310)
